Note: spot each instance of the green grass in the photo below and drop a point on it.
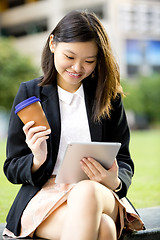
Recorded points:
(145, 188)
(7, 190)
(145, 150)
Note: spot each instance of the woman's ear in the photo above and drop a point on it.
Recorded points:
(51, 43)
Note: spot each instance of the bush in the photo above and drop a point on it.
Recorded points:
(143, 97)
(151, 97)
(14, 68)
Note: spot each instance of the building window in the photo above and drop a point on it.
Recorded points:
(142, 56)
(25, 29)
(140, 18)
(15, 3)
(5, 4)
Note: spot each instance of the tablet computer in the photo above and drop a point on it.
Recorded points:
(70, 170)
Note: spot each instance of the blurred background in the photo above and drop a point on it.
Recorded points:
(133, 27)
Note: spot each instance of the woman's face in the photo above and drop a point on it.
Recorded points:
(73, 62)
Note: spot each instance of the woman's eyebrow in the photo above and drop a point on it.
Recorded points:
(95, 56)
(69, 51)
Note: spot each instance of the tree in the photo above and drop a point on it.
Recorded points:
(143, 96)
(14, 69)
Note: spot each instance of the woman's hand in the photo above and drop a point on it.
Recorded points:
(96, 172)
(36, 140)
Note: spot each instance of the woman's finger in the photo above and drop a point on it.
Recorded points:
(86, 170)
(37, 139)
(33, 131)
(97, 165)
(93, 165)
(34, 136)
(90, 170)
(27, 126)
(38, 142)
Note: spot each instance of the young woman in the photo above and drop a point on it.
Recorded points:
(80, 93)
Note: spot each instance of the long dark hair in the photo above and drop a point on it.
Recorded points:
(83, 27)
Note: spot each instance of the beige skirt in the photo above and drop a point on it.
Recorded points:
(52, 195)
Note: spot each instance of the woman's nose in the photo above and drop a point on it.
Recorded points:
(77, 67)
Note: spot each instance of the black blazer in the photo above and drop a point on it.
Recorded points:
(17, 166)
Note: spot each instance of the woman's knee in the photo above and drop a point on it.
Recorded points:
(107, 228)
(84, 192)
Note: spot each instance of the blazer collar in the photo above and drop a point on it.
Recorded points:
(49, 90)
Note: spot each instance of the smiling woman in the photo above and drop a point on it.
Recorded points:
(80, 93)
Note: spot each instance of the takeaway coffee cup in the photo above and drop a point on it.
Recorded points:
(31, 110)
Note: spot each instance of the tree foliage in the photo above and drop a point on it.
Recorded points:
(143, 96)
(14, 69)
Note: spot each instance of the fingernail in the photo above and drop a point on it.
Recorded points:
(84, 159)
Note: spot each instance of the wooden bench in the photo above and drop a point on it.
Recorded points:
(151, 218)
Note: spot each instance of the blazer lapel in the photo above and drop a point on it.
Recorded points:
(95, 127)
(50, 104)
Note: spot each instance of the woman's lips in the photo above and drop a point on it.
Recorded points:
(74, 75)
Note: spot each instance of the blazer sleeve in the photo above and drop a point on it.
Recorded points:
(17, 166)
(118, 131)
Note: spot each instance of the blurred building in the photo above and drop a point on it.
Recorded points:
(133, 27)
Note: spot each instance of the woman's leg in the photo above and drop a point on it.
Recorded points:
(51, 228)
(89, 213)
(107, 229)
(86, 203)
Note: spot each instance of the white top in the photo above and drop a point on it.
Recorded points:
(74, 121)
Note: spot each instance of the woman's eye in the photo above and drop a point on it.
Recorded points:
(90, 61)
(69, 57)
